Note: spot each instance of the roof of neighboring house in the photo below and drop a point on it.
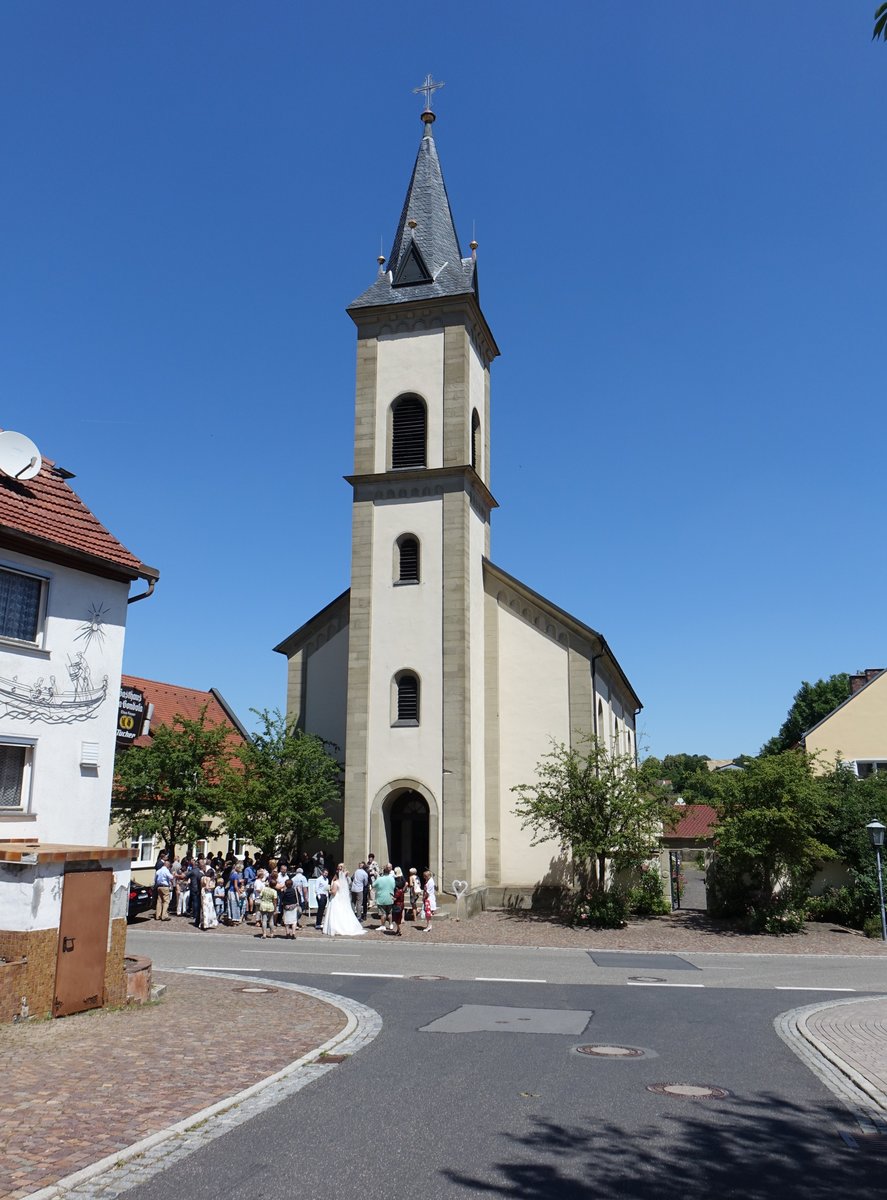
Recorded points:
(838, 707)
(45, 518)
(697, 821)
(171, 700)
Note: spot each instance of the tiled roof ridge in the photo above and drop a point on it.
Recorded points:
(47, 509)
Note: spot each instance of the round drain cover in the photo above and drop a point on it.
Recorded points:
(689, 1091)
(430, 978)
(255, 990)
(646, 978)
(603, 1051)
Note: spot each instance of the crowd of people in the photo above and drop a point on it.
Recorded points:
(273, 894)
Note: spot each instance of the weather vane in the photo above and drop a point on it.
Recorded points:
(429, 87)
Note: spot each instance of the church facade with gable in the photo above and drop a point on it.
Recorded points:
(441, 678)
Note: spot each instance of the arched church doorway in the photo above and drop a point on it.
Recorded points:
(409, 831)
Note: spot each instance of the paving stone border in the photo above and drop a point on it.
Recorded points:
(867, 1103)
(138, 1162)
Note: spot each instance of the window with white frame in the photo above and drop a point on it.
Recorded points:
(236, 845)
(867, 767)
(15, 776)
(21, 605)
(144, 850)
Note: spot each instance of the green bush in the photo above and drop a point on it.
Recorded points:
(776, 919)
(851, 905)
(872, 926)
(599, 910)
(645, 899)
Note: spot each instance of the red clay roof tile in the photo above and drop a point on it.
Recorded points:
(46, 508)
(170, 700)
(697, 821)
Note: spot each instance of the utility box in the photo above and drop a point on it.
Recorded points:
(63, 916)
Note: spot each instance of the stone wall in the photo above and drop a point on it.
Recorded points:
(34, 979)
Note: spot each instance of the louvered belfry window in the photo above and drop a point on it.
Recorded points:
(408, 433)
(409, 560)
(408, 698)
(475, 439)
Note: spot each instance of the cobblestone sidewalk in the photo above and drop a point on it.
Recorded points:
(681, 931)
(79, 1089)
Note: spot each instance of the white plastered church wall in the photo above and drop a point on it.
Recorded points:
(410, 363)
(67, 802)
(534, 708)
(477, 724)
(326, 699)
(405, 635)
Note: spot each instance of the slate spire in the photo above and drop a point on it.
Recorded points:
(426, 259)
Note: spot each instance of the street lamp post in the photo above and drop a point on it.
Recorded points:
(876, 837)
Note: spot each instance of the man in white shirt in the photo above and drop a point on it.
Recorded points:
(359, 884)
(162, 890)
(322, 893)
(300, 883)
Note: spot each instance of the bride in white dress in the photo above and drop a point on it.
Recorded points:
(339, 917)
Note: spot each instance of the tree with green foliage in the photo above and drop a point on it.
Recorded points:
(286, 785)
(687, 774)
(600, 808)
(812, 702)
(768, 843)
(880, 30)
(175, 786)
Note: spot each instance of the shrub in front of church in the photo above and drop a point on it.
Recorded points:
(645, 898)
(598, 910)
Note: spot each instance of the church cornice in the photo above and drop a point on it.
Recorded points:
(406, 318)
(332, 618)
(423, 481)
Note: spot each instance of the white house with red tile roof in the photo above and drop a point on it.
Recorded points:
(65, 584)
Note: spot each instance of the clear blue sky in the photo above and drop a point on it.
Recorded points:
(680, 210)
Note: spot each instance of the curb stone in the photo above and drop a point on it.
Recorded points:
(867, 1103)
(118, 1172)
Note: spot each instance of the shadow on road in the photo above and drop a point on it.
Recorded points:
(761, 1150)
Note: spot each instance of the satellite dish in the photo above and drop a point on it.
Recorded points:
(19, 457)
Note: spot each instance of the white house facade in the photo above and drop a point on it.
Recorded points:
(64, 590)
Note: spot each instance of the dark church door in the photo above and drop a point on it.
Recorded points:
(409, 832)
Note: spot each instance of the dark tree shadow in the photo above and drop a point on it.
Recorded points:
(764, 1149)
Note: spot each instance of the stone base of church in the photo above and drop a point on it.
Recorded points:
(540, 898)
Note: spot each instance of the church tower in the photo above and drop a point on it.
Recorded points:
(441, 677)
(415, 727)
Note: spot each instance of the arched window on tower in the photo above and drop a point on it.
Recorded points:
(407, 560)
(408, 422)
(406, 706)
(476, 448)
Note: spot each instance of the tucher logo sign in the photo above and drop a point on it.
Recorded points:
(130, 715)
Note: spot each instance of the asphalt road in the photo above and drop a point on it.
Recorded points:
(475, 1088)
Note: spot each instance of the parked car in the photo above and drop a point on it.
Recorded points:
(141, 898)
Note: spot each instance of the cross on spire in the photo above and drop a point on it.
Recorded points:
(429, 87)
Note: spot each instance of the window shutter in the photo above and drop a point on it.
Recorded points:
(12, 767)
(408, 433)
(409, 561)
(408, 698)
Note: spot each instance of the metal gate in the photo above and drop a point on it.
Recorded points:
(83, 941)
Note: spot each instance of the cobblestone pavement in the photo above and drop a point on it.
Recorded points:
(79, 1089)
(844, 1042)
(687, 931)
(856, 1033)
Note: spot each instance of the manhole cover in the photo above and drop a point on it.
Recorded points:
(646, 979)
(689, 1091)
(428, 978)
(255, 990)
(610, 1051)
